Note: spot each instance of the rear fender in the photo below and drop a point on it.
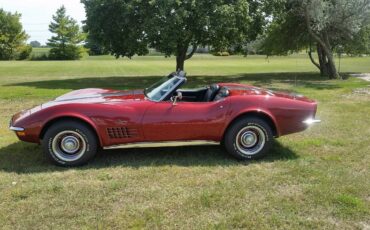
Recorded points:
(255, 112)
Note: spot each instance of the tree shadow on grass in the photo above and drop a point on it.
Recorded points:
(307, 80)
(23, 158)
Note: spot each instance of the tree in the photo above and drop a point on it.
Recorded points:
(325, 24)
(35, 44)
(129, 27)
(12, 37)
(360, 44)
(66, 44)
(94, 48)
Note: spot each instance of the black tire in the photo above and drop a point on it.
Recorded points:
(70, 143)
(248, 138)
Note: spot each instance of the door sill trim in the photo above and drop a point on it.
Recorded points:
(162, 144)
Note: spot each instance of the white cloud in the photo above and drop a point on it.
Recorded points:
(37, 14)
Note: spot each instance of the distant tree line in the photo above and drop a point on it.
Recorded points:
(125, 28)
(65, 44)
(276, 27)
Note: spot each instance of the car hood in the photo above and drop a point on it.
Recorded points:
(86, 96)
(242, 89)
(94, 95)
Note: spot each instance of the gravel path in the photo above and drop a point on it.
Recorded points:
(364, 76)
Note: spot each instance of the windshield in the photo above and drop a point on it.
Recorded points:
(161, 89)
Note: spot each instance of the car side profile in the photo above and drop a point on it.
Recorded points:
(243, 118)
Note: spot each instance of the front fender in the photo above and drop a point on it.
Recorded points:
(74, 116)
(35, 121)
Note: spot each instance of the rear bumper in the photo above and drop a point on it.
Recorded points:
(311, 121)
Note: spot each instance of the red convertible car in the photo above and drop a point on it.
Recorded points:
(243, 118)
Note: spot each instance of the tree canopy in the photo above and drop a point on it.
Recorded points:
(326, 24)
(12, 37)
(129, 27)
(66, 43)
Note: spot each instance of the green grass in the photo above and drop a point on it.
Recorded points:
(315, 179)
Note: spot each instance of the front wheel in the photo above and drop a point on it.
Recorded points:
(249, 138)
(70, 143)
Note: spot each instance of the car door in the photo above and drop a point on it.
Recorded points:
(165, 121)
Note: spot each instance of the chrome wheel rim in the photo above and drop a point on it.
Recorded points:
(68, 145)
(250, 140)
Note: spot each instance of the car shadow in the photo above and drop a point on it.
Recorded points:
(23, 158)
(307, 80)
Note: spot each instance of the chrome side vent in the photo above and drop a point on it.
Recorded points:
(121, 132)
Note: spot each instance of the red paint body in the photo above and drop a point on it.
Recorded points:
(146, 121)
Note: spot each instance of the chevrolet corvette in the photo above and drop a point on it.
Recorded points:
(243, 118)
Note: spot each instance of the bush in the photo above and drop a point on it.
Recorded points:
(40, 57)
(224, 53)
(70, 52)
(23, 52)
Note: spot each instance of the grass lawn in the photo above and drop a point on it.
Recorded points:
(315, 179)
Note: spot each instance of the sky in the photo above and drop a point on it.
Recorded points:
(37, 14)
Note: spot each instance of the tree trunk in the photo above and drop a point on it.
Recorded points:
(326, 61)
(327, 64)
(313, 60)
(180, 61)
(322, 61)
(332, 69)
(182, 56)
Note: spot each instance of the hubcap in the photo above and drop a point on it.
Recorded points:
(250, 140)
(68, 146)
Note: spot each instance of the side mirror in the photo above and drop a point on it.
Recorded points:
(176, 98)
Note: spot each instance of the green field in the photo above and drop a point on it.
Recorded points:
(317, 179)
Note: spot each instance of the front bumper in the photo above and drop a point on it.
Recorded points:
(28, 133)
(16, 129)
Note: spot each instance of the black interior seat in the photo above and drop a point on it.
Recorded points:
(211, 92)
(222, 93)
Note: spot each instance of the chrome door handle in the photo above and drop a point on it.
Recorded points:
(221, 106)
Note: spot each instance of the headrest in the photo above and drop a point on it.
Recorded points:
(214, 87)
(222, 93)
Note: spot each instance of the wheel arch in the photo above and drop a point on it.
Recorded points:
(83, 120)
(255, 113)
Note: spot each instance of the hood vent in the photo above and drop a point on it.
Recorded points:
(121, 132)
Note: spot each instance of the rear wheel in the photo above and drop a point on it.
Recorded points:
(249, 138)
(70, 143)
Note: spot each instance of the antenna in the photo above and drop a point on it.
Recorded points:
(296, 67)
(340, 56)
(340, 50)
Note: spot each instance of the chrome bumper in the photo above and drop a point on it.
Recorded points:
(16, 129)
(13, 128)
(311, 121)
